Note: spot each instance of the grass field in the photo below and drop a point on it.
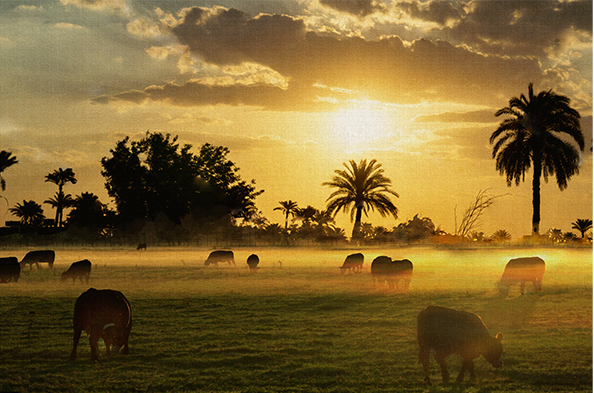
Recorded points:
(295, 326)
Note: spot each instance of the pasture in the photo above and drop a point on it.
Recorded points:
(297, 325)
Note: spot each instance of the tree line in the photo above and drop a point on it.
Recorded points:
(163, 192)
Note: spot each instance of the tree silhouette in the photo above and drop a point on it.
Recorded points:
(536, 135)
(288, 208)
(501, 235)
(30, 213)
(87, 211)
(5, 161)
(60, 177)
(59, 201)
(582, 225)
(360, 188)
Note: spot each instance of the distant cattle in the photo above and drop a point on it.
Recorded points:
(384, 269)
(102, 314)
(78, 269)
(522, 270)
(447, 332)
(35, 257)
(217, 257)
(9, 269)
(253, 261)
(353, 262)
(141, 246)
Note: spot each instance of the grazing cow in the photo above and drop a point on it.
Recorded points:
(141, 246)
(521, 270)
(34, 257)
(216, 257)
(354, 262)
(9, 269)
(385, 269)
(447, 332)
(102, 314)
(78, 269)
(253, 262)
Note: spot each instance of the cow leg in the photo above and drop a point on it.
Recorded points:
(94, 341)
(445, 375)
(466, 365)
(522, 285)
(37, 264)
(424, 359)
(75, 340)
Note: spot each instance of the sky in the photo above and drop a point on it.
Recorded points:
(296, 88)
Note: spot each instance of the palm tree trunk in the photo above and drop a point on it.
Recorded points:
(537, 161)
(357, 228)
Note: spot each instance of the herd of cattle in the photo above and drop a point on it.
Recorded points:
(106, 314)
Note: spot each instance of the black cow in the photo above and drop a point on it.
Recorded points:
(384, 269)
(216, 257)
(78, 269)
(354, 262)
(102, 314)
(141, 246)
(9, 269)
(253, 262)
(521, 270)
(447, 332)
(35, 257)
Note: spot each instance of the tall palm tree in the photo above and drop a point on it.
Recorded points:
(60, 201)
(30, 213)
(360, 188)
(289, 208)
(60, 177)
(536, 135)
(5, 161)
(582, 225)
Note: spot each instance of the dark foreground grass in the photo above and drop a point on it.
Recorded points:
(290, 330)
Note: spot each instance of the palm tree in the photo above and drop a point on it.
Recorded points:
(501, 235)
(59, 202)
(360, 188)
(288, 208)
(534, 135)
(60, 177)
(582, 225)
(30, 213)
(5, 161)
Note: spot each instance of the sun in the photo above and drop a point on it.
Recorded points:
(359, 126)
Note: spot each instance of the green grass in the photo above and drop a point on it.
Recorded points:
(296, 329)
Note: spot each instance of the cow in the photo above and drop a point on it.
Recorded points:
(447, 332)
(384, 269)
(9, 269)
(521, 270)
(78, 269)
(141, 246)
(102, 314)
(253, 262)
(354, 262)
(216, 257)
(34, 257)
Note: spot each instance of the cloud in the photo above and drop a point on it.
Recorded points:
(360, 8)
(480, 116)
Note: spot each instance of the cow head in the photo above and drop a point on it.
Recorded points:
(494, 350)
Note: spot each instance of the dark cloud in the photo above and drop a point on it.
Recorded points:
(360, 8)
(524, 27)
(431, 11)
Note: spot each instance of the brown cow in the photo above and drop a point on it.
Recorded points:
(216, 257)
(354, 262)
(384, 269)
(521, 270)
(9, 269)
(253, 261)
(102, 314)
(447, 332)
(34, 257)
(78, 269)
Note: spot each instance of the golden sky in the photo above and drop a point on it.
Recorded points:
(294, 89)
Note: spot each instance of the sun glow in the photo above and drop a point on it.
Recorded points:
(358, 127)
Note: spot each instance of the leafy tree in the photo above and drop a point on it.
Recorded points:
(288, 208)
(60, 177)
(5, 161)
(416, 229)
(582, 225)
(157, 175)
(88, 211)
(537, 135)
(30, 213)
(360, 188)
